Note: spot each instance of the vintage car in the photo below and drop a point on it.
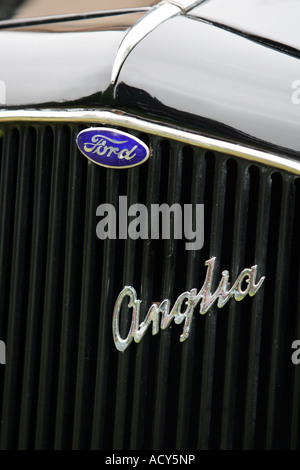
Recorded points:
(150, 339)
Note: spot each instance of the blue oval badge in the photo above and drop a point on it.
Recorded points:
(112, 148)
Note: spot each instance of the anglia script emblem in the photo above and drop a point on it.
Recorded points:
(183, 308)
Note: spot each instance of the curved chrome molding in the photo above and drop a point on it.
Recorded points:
(159, 13)
(144, 26)
(118, 118)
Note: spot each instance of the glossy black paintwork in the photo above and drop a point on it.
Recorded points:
(218, 82)
(186, 72)
(273, 20)
(55, 69)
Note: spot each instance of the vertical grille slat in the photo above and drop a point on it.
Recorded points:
(85, 383)
(210, 326)
(188, 348)
(102, 415)
(262, 232)
(234, 316)
(122, 392)
(71, 301)
(230, 385)
(294, 431)
(7, 199)
(167, 291)
(18, 294)
(36, 286)
(293, 329)
(141, 397)
(53, 293)
(278, 328)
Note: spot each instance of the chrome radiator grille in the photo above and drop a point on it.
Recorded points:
(230, 385)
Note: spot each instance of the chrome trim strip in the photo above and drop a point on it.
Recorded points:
(5, 24)
(144, 26)
(118, 118)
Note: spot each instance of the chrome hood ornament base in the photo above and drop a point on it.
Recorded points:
(184, 306)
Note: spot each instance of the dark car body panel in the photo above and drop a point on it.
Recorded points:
(271, 21)
(211, 96)
(239, 92)
(45, 69)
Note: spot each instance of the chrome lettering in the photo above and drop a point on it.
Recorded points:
(100, 146)
(183, 309)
